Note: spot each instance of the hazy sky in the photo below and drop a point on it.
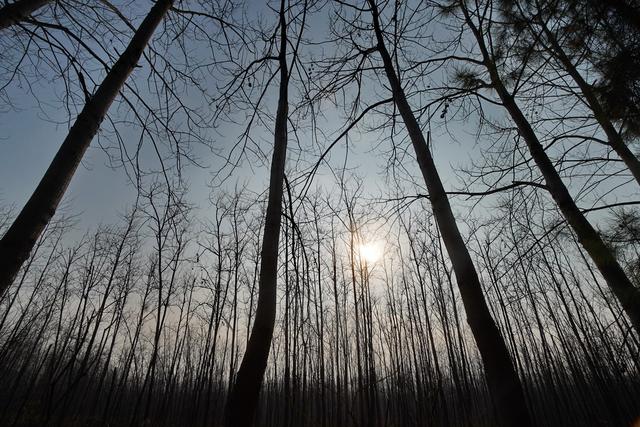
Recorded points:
(30, 137)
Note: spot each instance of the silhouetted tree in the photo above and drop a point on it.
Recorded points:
(243, 398)
(18, 241)
(618, 281)
(501, 375)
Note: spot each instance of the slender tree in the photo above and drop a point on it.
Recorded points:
(538, 18)
(19, 239)
(243, 399)
(502, 377)
(626, 293)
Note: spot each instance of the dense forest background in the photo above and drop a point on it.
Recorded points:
(321, 213)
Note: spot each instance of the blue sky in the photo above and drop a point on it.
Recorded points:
(30, 135)
(32, 132)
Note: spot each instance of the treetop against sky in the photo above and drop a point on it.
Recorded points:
(43, 97)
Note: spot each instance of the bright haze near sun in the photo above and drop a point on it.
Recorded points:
(371, 251)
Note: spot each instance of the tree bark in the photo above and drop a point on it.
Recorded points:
(17, 11)
(501, 375)
(243, 400)
(18, 241)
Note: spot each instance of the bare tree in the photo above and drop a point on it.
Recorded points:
(136, 323)
(538, 19)
(17, 242)
(243, 399)
(602, 256)
(501, 374)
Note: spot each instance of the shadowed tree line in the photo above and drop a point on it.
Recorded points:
(145, 322)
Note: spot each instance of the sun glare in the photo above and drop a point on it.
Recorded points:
(371, 252)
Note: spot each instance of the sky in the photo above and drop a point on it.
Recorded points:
(31, 132)
(29, 142)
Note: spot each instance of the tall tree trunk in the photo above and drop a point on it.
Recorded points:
(18, 241)
(612, 272)
(613, 136)
(243, 400)
(15, 12)
(501, 375)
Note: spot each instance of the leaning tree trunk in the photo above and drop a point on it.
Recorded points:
(502, 378)
(613, 136)
(19, 10)
(617, 280)
(243, 399)
(18, 241)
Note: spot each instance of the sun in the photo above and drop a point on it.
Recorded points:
(371, 252)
